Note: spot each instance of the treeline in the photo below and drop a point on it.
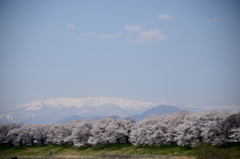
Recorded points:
(182, 128)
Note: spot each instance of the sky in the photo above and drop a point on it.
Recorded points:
(186, 52)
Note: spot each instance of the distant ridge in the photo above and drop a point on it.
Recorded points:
(158, 110)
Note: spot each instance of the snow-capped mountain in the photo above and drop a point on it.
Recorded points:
(57, 109)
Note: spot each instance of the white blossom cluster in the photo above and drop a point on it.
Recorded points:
(179, 128)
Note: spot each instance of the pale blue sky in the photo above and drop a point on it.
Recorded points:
(184, 51)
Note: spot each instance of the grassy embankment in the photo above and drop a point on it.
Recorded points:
(120, 151)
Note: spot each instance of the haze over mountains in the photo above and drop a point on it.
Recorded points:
(56, 110)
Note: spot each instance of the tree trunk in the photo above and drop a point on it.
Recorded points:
(127, 139)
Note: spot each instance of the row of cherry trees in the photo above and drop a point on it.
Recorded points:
(179, 128)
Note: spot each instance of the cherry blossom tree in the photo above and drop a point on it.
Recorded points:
(80, 133)
(181, 128)
(110, 130)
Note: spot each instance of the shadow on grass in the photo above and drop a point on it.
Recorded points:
(111, 147)
(206, 151)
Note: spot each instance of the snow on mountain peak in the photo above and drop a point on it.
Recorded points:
(127, 104)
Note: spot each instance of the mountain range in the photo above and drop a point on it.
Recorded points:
(55, 110)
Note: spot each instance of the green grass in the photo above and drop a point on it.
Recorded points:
(202, 151)
(110, 149)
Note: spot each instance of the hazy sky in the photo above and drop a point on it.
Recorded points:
(187, 52)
